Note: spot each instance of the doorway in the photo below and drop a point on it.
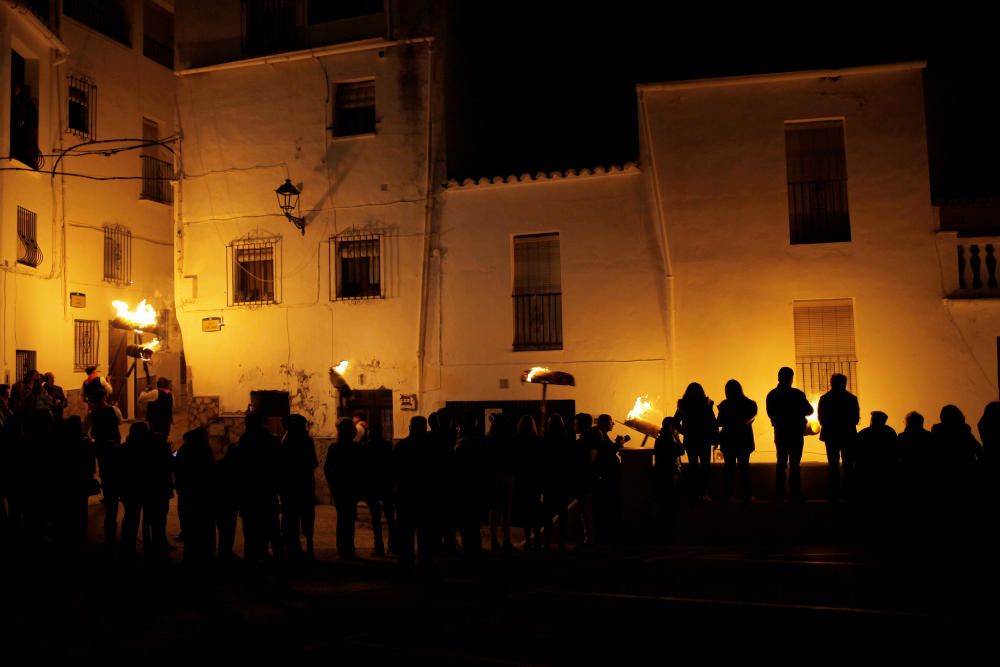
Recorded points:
(118, 367)
(372, 405)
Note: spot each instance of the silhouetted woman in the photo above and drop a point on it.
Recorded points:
(104, 422)
(194, 468)
(958, 454)
(667, 454)
(556, 464)
(297, 486)
(500, 448)
(695, 420)
(134, 460)
(736, 415)
(342, 467)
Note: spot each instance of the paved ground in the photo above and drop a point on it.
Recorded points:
(773, 602)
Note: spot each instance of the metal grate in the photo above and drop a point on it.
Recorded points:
(117, 255)
(253, 271)
(28, 252)
(156, 177)
(25, 360)
(537, 293)
(824, 344)
(158, 34)
(82, 113)
(817, 182)
(357, 266)
(272, 25)
(354, 112)
(86, 342)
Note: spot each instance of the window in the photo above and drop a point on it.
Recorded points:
(107, 17)
(86, 341)
(253, 268)
(24, 361)
(24, 110)
(156, 172)
(357, 266)
(537, 293)
(158, 34)
(117, 255)
(82, 116)
(28, 252)
(817, 182)
(270, 26)
(824, 344)
(354, 110)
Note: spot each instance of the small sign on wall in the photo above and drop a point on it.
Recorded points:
(408, 402)
(77, 300)
(211, 324)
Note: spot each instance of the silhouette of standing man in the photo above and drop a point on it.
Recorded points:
(787, 407)
(839, 415)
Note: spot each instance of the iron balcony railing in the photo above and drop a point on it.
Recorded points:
(538, 321)
(818, 211)
(813, 375)
(105, 16)
(158, 52)
(156, 177)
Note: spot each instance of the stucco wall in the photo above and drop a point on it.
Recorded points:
(718, 155)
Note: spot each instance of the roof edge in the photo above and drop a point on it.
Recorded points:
(541, 177)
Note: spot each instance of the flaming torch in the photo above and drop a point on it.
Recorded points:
(140, 320)
(143, 352)
(545, 377)
(338, 380)
(812, 421)
(638, 418)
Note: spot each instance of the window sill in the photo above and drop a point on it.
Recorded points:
(535, 348)
(348, 137)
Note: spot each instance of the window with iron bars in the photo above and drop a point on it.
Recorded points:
(354, 108)
(817, 182)
(356, 263)
(86, 342)
(117, 255)
(824, 345)
(537, 293)
(156, 172)
(82, 113)
(254, 272)
(24, 361)
(28, 252)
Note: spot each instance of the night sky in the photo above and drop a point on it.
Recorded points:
(542, 86)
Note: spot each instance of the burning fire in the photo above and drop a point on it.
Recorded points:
(812, 421)
(341, 368)
(535, 371)
(153, 345)
(641, 407)
(144, 315)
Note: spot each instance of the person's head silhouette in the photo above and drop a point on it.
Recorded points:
(838, 382)
(785, 375)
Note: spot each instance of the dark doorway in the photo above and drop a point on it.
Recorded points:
(513, 410)
(274, 405)
(117, 373)
(374, 406)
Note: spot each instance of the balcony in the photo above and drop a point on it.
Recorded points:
(107, 17)
(538, 321)
(969, 266)
(47, 12)
(156, 177)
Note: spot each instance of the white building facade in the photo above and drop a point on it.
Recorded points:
(87, 111)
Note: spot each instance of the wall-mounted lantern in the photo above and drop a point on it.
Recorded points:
(288, 201)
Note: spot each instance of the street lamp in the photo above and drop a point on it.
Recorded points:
(288, 201)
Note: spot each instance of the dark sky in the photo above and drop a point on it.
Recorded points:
(538, 86)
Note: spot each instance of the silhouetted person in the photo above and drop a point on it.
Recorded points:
(989, 433)
(556, 463)
(695, 420)
(503, 463)
(875, 458)
(787, 408)
(58, 396)
(158, 489)
(376, 455)
(442, 434)
(159, 407)
(915, 454)
(473, 482)
(608, 481)
(839, 415)
(103, 423)
(667, 453)
(412, 460)
(527, 492)
(736, 415)
(342, 469)
(297, 486)
(74, 483)
(256, 466)
(584, 476)
(958, 454)
(193, 471)
(135, 462)
(94, 385)
(226, 500)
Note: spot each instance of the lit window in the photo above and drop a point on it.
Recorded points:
(86, 341)
(117, 255)
(537, 293)
(156, 172)
(252, 264)
(817, 182)
(357, 266)
(824, 344)
(24, 361)
(354, 111)
(28, 252)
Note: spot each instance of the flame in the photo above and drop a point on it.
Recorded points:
(812, 421)
(144, 314)
(152, 346)
(341, 368)
(641, 407)
(535, 371)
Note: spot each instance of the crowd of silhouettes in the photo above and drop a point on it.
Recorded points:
(454, 472)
